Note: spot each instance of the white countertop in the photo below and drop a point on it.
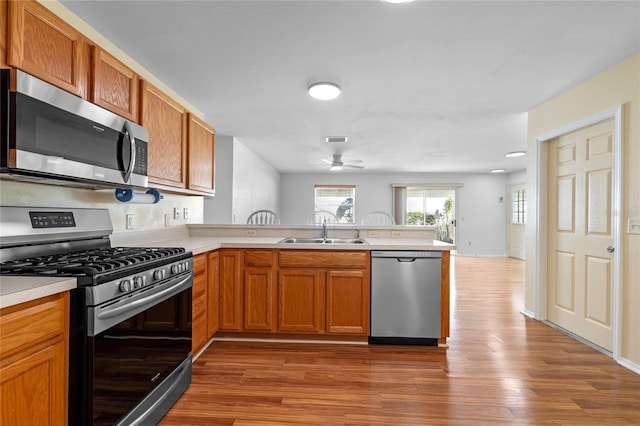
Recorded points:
(15, 290)
(200, 239)
(199, 244)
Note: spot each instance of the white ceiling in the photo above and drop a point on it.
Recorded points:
(431, 86)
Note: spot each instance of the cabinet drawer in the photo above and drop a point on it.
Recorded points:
(199, 264)
(28, 323)
(324, 259)
(262, 258)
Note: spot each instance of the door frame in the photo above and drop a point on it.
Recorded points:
(541, 223)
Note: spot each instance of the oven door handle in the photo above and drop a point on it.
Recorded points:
(110, 312)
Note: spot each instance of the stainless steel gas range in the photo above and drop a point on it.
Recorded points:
(130, 319)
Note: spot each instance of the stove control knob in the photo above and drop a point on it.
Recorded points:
(158, 275)
(138, 282)
(125, 286)
(185, 265)
(174, 269)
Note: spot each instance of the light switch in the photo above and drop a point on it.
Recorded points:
(633, 227)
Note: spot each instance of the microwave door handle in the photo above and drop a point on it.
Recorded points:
(132, 150)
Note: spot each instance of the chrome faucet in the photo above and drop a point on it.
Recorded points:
(324, 230)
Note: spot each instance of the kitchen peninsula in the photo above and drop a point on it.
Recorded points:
(249, 284)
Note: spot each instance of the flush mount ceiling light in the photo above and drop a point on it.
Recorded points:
(336, 139)
(498, 171)
(397, 1)
(324, 91)
(515, 154)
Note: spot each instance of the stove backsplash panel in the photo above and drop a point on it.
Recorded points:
(146, 216)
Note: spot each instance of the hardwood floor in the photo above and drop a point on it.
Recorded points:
(500, 368)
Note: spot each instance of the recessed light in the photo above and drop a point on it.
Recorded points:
(336, 139)
(515, 154)
(397, 1)
(498, 171)
(324, 91)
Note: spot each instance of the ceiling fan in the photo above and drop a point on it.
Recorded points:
(338, 164)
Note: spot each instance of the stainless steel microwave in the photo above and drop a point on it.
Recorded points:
(51, 136)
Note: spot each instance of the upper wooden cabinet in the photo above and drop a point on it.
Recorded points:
(4, 6)
(114, 85)
(201, 144)
(167, 152)
(43, 45)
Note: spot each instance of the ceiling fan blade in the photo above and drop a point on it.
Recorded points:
(352, 161)
(327, 161)
(353, 166)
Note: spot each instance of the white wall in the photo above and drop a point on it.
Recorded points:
(517, 178)
(617, 85)
(256, 184)
(481, 216)
(146, 216)
(219, 208)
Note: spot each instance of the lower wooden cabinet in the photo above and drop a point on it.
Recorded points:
(199, 303)
(301, 301)
(324, 292)
(34, 362)
(213, 294)
(231, 289)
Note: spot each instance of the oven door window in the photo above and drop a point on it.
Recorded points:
(133, 357)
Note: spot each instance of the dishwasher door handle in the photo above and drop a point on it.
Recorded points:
(406, 259)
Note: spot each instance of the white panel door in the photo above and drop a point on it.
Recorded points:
(580, 267)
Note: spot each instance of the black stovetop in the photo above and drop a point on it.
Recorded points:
(93, 263)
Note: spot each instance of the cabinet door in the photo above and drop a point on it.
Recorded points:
(33, 389)
(43, 45)
(213, 295)
(34, 362)
(201, 144)
(231, 298)
(166, 121)
(115, 86)
(259, 299)
(348, 302)
(301, 300)
(199, 300)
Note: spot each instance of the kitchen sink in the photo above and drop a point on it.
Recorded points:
(295, 240)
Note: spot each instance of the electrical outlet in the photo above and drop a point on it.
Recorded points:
(373, 234)
(176, 213)
(469, 242)
(185, 213)
(396, 234)
(250, 233)
(633, 227)
(130, 222)
(167, 219)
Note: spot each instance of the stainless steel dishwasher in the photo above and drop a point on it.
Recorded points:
(405, 297)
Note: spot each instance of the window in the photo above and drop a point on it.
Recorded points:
(519, 206)
(427, 205)
(338, 199)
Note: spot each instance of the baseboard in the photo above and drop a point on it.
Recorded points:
(528, 313)
(630, 365)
